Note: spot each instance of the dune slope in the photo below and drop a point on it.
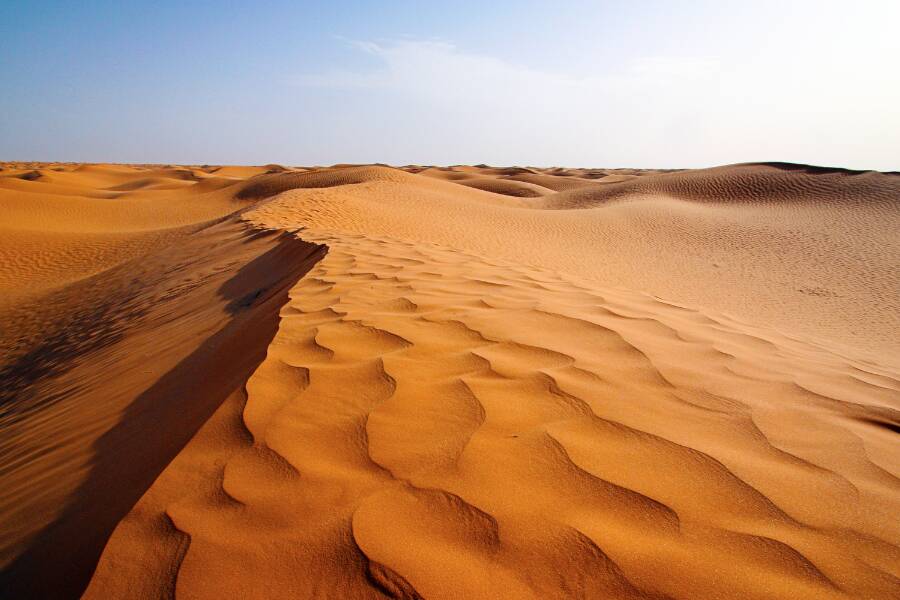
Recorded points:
(568, 383)
(113, 356)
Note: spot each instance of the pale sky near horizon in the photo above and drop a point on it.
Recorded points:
(577, 83)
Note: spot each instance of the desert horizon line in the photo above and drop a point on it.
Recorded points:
(772, 163)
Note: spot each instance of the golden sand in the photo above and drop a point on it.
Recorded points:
(459, 382)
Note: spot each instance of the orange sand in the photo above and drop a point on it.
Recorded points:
(464, 382)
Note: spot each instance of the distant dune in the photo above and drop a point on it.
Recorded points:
(363, 381)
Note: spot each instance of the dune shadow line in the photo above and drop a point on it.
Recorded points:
(157, 424)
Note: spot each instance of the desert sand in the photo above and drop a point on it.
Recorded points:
(363, 381)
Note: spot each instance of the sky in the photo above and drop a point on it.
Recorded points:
(652, 84)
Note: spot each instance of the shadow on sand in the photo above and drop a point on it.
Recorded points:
(60, 560)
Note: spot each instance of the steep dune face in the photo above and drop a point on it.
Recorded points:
(632, 384)
(125, 325)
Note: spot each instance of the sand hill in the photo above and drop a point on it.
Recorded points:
(449, 382)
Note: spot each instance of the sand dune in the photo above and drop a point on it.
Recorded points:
(509, 187)
(449, 382)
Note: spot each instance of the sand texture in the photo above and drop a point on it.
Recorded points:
(449, 382)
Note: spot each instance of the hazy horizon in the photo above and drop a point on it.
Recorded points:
(602, 85)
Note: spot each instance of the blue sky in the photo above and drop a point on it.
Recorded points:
(604, 84)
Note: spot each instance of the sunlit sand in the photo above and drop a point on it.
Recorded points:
(454, 382)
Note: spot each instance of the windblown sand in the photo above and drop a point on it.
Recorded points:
(463, 382)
